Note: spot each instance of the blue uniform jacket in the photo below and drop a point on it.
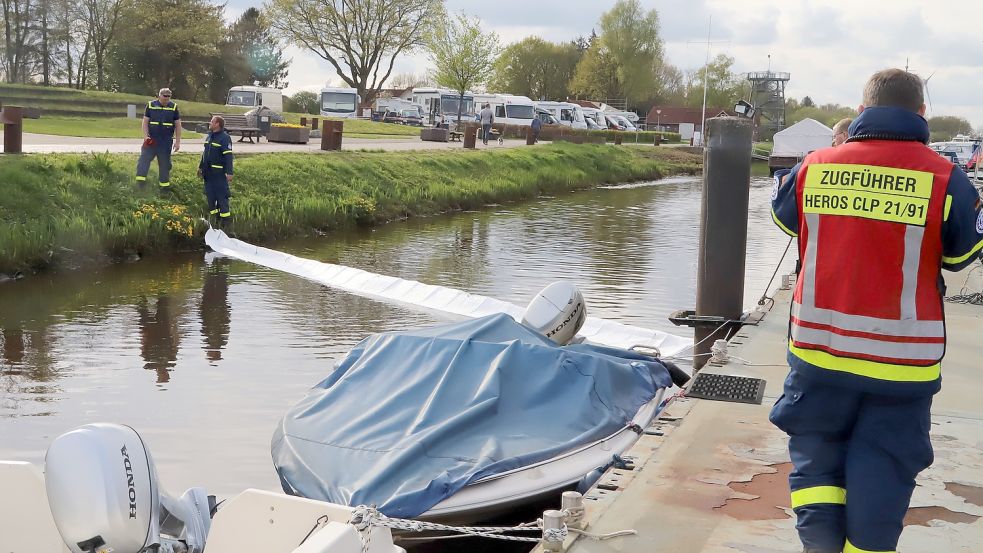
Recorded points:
(962, 231)
(217, 157)
(163, 119)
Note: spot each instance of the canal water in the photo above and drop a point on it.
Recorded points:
(203, 355)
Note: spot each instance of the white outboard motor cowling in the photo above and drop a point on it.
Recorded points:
(557, 312)
(104, 496)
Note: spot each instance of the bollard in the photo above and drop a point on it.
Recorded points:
(657, 140)
(530, 137)
(723, 230)
(331, 134)
(470, 135)
(303, 121)
(131, 111)
(12, 118)
(572, 503)
(618, 138)
(314, 123)
(554, 531)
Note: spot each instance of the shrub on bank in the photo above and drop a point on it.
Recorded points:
(66, 208)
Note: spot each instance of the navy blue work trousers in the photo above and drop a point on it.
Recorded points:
(855, 457)
(162, 151)
(217, 194)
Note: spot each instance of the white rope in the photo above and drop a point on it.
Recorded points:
(364, 518)
(718, 352)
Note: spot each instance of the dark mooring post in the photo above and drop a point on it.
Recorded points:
(723, 231)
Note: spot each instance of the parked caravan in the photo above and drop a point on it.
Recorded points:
(340, 102)
(443, 104)
(566, 113)
(255, 96)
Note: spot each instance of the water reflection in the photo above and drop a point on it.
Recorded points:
(244, 342)
(215, 310)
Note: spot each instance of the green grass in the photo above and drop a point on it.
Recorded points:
(115, 127)
(60, 209)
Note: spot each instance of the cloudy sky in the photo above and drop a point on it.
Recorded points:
(829, 47)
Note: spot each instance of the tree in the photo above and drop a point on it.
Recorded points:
(101, 19)
(19, 39)
(631, 37)
(945, 127)
(536, 68)
(302, 102)
(407, 80)
(175, 44)
(807, 102)
(463, 55)
(723, 87)
(359, 38)
(596, 75)
(262, 51)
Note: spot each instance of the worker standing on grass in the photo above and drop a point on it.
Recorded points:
(876, 220)
(216, 170)
(161, 133)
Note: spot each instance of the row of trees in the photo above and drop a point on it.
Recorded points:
(138, 46)
(941, 127)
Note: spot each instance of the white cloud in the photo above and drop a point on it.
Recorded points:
(830, 48)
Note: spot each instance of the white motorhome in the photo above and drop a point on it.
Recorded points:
(602, 119)
(255, 96)
(340, 102)
(443, 103)
(509, 109)
(566, 113)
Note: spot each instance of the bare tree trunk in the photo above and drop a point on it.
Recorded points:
(45, 51)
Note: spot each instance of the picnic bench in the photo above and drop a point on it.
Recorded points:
(455, 136)
(237, 123)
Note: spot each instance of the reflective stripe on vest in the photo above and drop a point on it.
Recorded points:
(905, 348)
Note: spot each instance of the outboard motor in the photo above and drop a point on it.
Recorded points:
(557, 312)
(103, 492)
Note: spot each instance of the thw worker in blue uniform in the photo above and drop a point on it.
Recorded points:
(216, 169)
(161, 134)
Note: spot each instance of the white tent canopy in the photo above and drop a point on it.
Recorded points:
(801, 138)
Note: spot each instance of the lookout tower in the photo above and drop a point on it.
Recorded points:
(768, 99)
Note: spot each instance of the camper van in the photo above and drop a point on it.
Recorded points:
(255, 96)
(602, 119)
(383, 105)
(340, 102)
(508, 109)
(566, 113)
(443, 103)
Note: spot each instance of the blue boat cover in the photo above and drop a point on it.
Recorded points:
(409, 418)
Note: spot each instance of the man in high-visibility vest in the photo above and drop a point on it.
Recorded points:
(215, 168)
(161, 134)
(877, 218)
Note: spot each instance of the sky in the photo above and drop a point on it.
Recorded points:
(829, 47)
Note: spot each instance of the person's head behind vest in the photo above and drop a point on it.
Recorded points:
(894, 88)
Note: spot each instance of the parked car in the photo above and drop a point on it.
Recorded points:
(409, 117)
(951, 156)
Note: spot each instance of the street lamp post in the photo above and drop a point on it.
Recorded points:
(658, 125)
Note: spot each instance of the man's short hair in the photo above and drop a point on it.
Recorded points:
(843, 125)
(164, 91)
(221, 121)
(894, 88)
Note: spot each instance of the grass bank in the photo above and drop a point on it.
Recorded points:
(67, 209)
(110, 127)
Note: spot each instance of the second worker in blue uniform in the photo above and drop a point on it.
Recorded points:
(216, 170)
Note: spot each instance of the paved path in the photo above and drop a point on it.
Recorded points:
(46, 143)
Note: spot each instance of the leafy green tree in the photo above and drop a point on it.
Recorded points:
(361, 39)
(463, 55)
(596, 75)
(723, 86)
(262, 51)
(807, 102)
(945, 127)
(302, 102)
(536, 68)
(631, 37)
(175, 44)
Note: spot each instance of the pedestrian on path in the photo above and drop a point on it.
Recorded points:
(537, 127)
(215, 168)
(161, 134)
(877, 218)
(487, 117)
